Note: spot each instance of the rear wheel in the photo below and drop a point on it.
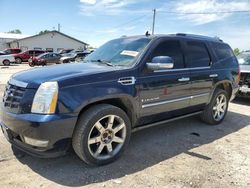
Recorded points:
(6, 62)
(101, 135)
(216, 111)
(18, 60)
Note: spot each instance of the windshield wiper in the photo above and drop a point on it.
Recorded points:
(103, 62)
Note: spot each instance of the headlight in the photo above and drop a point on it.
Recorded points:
(45, 98)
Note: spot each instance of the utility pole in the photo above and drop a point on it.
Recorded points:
(58, 27)
(153, 27)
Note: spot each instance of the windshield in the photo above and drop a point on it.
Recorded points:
(244, 59)
(120, 52)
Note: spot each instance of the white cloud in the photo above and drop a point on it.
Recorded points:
(91, 2)
(106, 7)
(209, 6)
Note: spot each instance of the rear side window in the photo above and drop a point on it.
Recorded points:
(171, 48)
(197, 55)
(222, 51)
(31, 52)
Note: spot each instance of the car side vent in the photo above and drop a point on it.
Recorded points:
(127, 80)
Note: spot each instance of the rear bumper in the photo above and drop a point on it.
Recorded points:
(234, 92)
(56, 130)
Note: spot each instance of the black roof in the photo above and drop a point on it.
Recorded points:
(181, 35)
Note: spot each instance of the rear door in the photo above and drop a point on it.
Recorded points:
(164, 94)
(199, 61)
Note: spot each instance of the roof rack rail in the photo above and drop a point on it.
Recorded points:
(200, 36)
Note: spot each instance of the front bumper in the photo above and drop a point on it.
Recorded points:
(56, 129)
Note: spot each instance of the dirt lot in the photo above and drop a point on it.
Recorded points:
(184, 153)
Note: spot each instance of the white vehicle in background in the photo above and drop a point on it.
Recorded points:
(6, 59)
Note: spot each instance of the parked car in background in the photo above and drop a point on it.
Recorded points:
(127, 84)
(244, 61)
(6, 59)
(74, 56)
(25, 56)
(12, 50)
(65, 51)
(44, 59)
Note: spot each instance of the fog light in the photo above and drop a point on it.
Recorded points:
(35, 142)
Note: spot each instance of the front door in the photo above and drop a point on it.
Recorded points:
(165, 93)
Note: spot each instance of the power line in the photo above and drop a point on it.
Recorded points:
(212, 12)
(131, 21)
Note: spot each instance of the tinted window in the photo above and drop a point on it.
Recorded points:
(222, 51)
(197, 54)
(172, 49)
(31, 52)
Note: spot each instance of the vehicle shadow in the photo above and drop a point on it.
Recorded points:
(147, 148)
(242, 101)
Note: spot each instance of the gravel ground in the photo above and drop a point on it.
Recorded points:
(184, 153)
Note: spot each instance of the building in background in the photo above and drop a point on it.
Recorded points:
(52, 41)
(5, 38)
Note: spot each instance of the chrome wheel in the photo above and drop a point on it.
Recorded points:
(220, 107)
(107, 137)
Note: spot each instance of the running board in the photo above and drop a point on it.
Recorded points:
(164, 121)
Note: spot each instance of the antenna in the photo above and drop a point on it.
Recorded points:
(153, 27)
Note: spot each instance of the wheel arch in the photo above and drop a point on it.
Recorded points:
(225, 85)
(121, 102)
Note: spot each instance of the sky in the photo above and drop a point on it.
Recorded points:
(97, 21)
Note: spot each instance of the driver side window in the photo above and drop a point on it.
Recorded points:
(171, 48)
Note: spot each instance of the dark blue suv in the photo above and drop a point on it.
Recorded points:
(125, 85)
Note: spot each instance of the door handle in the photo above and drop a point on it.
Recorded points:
(213, 75)
(183, 79)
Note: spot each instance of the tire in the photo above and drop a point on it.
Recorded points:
(31, 64)
(18, 60)
(94, 132)
(215, 107)
(6, 62)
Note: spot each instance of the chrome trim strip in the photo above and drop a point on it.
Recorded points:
(200, 95)
(195, 68)
(18, 83)
(174, 100)
(123, 80)
(165, 102)
(213, 75)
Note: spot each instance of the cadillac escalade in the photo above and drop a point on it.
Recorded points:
(127, 84)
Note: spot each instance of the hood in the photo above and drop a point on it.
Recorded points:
(245, 68)
(37, 76)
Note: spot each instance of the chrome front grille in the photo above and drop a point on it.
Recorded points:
(12, 97)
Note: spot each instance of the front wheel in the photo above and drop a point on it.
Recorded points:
(6, 62)
(101, 135)
(31, 64)
(216, 111)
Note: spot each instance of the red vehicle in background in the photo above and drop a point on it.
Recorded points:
(25, 56)
(12, 51)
